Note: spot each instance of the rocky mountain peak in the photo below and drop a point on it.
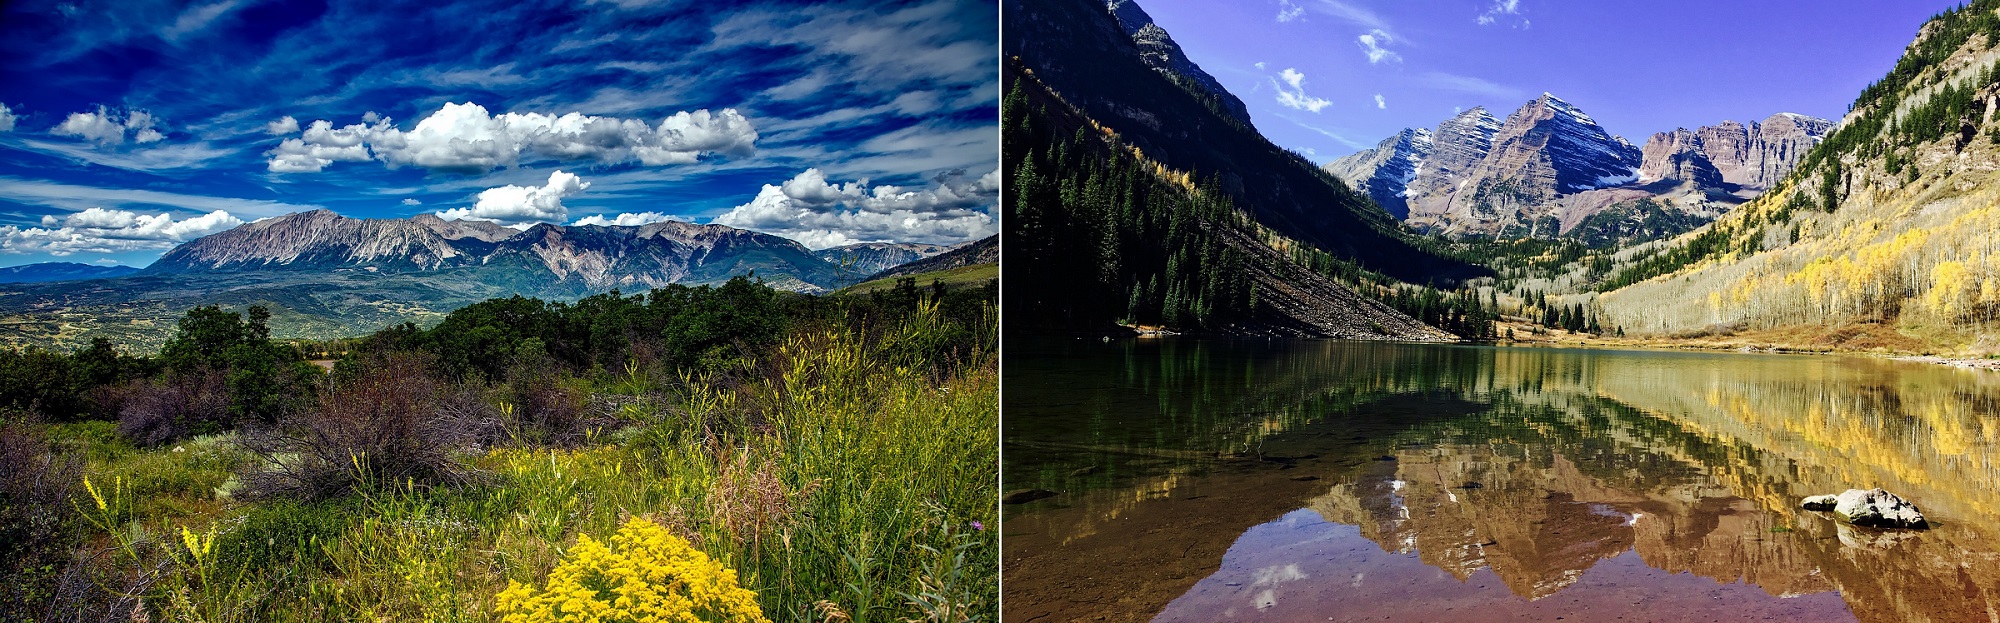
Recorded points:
(1457, 144)
(1578, 151)
(1485, 175)
(1159, 51)
(1385, 172)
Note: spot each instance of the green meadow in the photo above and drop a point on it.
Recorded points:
(837, 454)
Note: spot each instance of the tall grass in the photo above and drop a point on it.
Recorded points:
(841, 474)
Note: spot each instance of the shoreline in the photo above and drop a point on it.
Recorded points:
(1963, 363)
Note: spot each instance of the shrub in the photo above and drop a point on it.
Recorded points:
(385, 426)
(646, 574)
(181, 405)
(36, 528)
(538, 408)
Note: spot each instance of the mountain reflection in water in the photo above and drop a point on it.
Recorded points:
(1315, 480)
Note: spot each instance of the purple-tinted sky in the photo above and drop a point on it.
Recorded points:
(1637, 67)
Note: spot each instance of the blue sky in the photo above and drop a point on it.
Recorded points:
(1366, 69)
(129, 128)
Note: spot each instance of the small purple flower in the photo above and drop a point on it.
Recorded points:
(978, 526)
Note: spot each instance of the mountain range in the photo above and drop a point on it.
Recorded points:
(1550, 170)
(326, 275)
(60, 271)
(869, 258)
(558, 260)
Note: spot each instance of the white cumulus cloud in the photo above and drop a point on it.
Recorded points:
(1375, 44)
(321, 145)
(412, 201)
(1291, 88)
(284, 125)
(465, 137)
(6, 118)
(522, 205)
(1379, 102)
(98, 230)
(628, 219)
(822, 214)
(105, 128)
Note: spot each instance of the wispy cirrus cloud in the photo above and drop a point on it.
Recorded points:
(1468, 84)
(1330, 134)
(1288, 11)
(1509, 10)
(1350, 13)
(75, 197)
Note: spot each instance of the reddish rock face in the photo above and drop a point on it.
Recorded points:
(1678, 155)
(1778, 145)
(1545, 150)
(1753, 157)
(1729, 147)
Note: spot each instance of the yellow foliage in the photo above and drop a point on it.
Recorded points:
(646, 575)
(1950, 282)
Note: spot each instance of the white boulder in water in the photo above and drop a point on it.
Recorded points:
(1874, 508)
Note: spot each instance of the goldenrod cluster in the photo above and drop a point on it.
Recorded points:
(646, 575)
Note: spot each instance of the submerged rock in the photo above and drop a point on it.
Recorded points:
(1872, 539)
(1873, 508)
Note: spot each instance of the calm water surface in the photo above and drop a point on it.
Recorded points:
(1317, 481)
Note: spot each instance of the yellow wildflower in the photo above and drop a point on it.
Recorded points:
(645, 575)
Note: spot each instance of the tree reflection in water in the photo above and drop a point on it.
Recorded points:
(1655, 484)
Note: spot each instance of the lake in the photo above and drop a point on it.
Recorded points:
(1201, 480)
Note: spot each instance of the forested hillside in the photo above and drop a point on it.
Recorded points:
(1080, 52)
(1889, 223)
(1100, 234)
